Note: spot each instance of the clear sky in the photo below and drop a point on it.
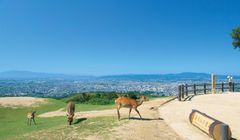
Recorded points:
(102, 37)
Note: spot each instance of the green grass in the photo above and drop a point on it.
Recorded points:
(89, 107)
(157, 97)
(81, 128)
(13, 121)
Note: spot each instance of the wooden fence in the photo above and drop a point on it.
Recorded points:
(185, 90)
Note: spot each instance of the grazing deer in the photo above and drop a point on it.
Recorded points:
(70, 112)
(129, 103)
(31, 117)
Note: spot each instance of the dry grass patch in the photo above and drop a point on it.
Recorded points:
(21, 101)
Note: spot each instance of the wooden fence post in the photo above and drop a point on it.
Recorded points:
(222, 87)
(186, 88)
(204, 88)
(213, 77)
(230, 86)
(233, 86)
(182, 91)
(194, 89)
(179, 92)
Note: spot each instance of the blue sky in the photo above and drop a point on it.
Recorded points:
(119, 36)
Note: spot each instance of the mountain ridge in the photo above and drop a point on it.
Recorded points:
(14, 74)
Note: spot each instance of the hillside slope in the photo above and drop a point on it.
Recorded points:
(87, 125)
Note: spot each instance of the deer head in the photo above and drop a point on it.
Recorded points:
(70, 118)
(144, 98)
(141, 100)
(31, 114)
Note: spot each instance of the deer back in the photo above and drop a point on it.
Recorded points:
(71, 108)
(124, 101)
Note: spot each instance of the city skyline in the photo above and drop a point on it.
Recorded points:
(119, 37)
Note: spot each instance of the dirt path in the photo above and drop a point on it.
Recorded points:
(151, 127)
(21, 101)
(223, 107)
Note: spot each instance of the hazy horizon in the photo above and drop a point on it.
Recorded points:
(76, 74)
(119, 37)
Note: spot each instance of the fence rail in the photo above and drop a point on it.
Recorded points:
(204, 88)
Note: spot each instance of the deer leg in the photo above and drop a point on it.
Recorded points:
(118, 114)
(27, 121)
(118, 108)
(129, 113)
(30, 121)
(34, 121)
(138, 113)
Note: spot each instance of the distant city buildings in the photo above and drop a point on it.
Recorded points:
(62, 88)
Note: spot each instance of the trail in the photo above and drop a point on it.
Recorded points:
(223, 107)
(21, 101)
(152, 127)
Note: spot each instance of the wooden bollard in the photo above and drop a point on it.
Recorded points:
(214, 128)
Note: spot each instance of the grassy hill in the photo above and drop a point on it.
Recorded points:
(14, 122)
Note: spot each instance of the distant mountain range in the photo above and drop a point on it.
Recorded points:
(185, 75)
(178, 76)
(38, 75)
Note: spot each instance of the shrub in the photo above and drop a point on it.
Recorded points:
(99, 101)
(100, 98)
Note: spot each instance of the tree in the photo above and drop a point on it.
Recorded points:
(236, 37)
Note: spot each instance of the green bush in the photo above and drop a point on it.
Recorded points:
(132, 95)
(101, 98)
(99, 101)
(98, 98)
(79, 98)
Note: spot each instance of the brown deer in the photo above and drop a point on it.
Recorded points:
(70, 112)
(129, 103)
(31, 117)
